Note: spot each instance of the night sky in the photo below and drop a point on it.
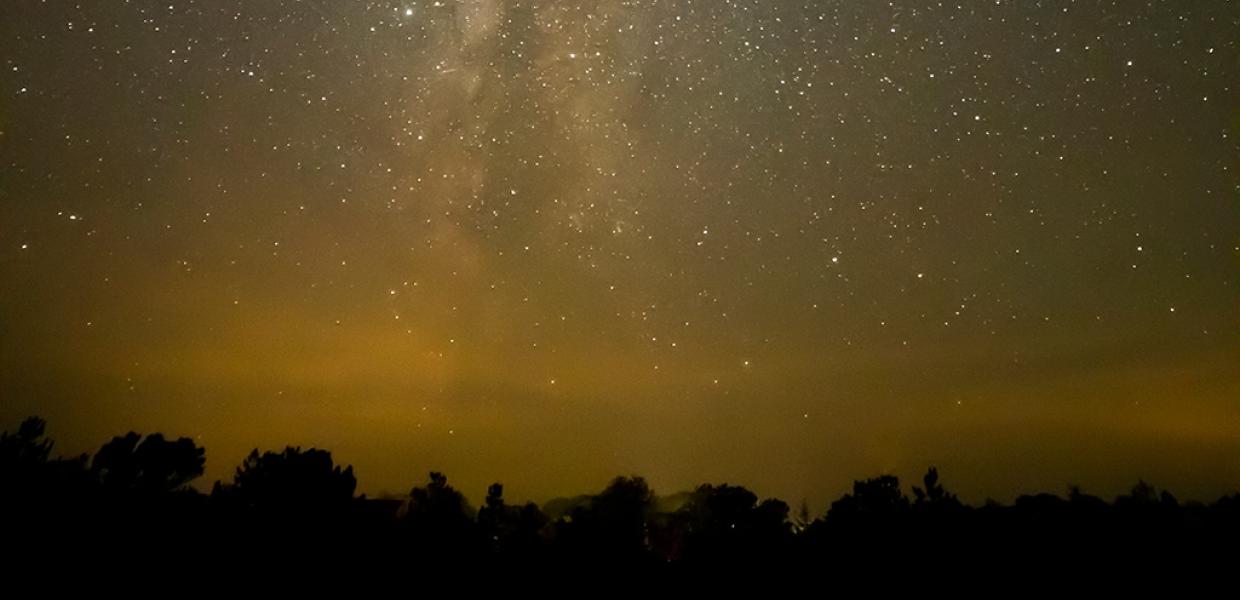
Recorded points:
(778, 244)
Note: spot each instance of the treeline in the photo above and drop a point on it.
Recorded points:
(132, 498)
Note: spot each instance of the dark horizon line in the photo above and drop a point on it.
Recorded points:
(199, 485)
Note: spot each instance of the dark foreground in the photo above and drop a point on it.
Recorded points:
(129, 512)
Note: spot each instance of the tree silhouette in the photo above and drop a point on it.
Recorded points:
(131, 463)
(871, 500)
(726, 524)
(933, 493)
(439, 500)
(612, 526)
(44, 502)
(441, 520)
(25, 449)
(297, 509)
(510, 530)
(864, 523)
(291, 483)
(29, 477)
(492, 517)
(24, 469)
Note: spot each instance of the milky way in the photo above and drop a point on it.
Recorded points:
(778, 244)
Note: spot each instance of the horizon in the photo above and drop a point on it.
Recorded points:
(817, 508)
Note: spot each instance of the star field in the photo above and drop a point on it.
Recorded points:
(779, 244)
